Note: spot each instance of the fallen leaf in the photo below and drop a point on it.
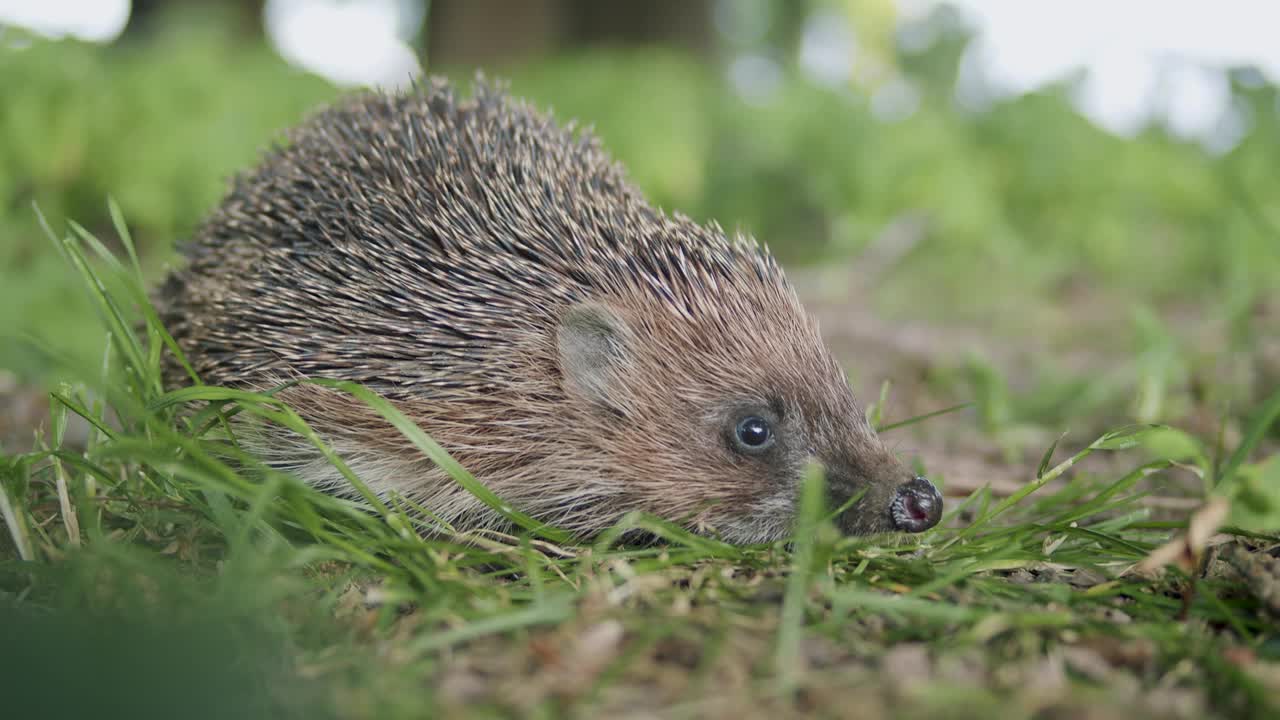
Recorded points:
(1186, 550)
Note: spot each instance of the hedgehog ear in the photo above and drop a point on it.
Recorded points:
(591, 342)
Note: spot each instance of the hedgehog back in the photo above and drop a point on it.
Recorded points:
(407, 240)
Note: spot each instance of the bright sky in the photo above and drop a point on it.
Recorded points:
(351, 43)
(94, 20)
(1144, 60)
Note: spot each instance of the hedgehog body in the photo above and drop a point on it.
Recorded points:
(499, 279)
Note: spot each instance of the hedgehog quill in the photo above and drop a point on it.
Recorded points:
(500, 280)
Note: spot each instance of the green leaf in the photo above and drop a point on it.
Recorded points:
(1253, 434)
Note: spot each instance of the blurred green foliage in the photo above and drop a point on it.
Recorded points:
(1024, 216)
(116, 631)
(1021, 206)
(159, 125)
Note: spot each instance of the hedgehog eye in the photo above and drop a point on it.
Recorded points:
(753, 434)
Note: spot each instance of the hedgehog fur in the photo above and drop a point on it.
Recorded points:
(499, 279)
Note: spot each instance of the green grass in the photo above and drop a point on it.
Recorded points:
(148, 568)
(159, 567)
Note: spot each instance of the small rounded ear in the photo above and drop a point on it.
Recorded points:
(592, 345)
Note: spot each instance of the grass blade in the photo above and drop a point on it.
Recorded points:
(788, 662)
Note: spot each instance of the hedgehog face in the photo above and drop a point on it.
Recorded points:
(714, 421)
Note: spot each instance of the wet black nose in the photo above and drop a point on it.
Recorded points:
(917, 506)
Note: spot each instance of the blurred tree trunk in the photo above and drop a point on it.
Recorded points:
(244, 15)
(477, 32)
(684, 24)
(481, 32)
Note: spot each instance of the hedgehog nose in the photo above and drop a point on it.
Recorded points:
(917, 506)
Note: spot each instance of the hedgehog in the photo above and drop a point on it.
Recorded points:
(498, 278)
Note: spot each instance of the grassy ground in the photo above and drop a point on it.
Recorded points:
(148, 573)
(1125, 569)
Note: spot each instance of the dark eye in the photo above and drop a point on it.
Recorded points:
(753, 433)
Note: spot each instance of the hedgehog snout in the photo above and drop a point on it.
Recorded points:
(917, 506)
(891, 500)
